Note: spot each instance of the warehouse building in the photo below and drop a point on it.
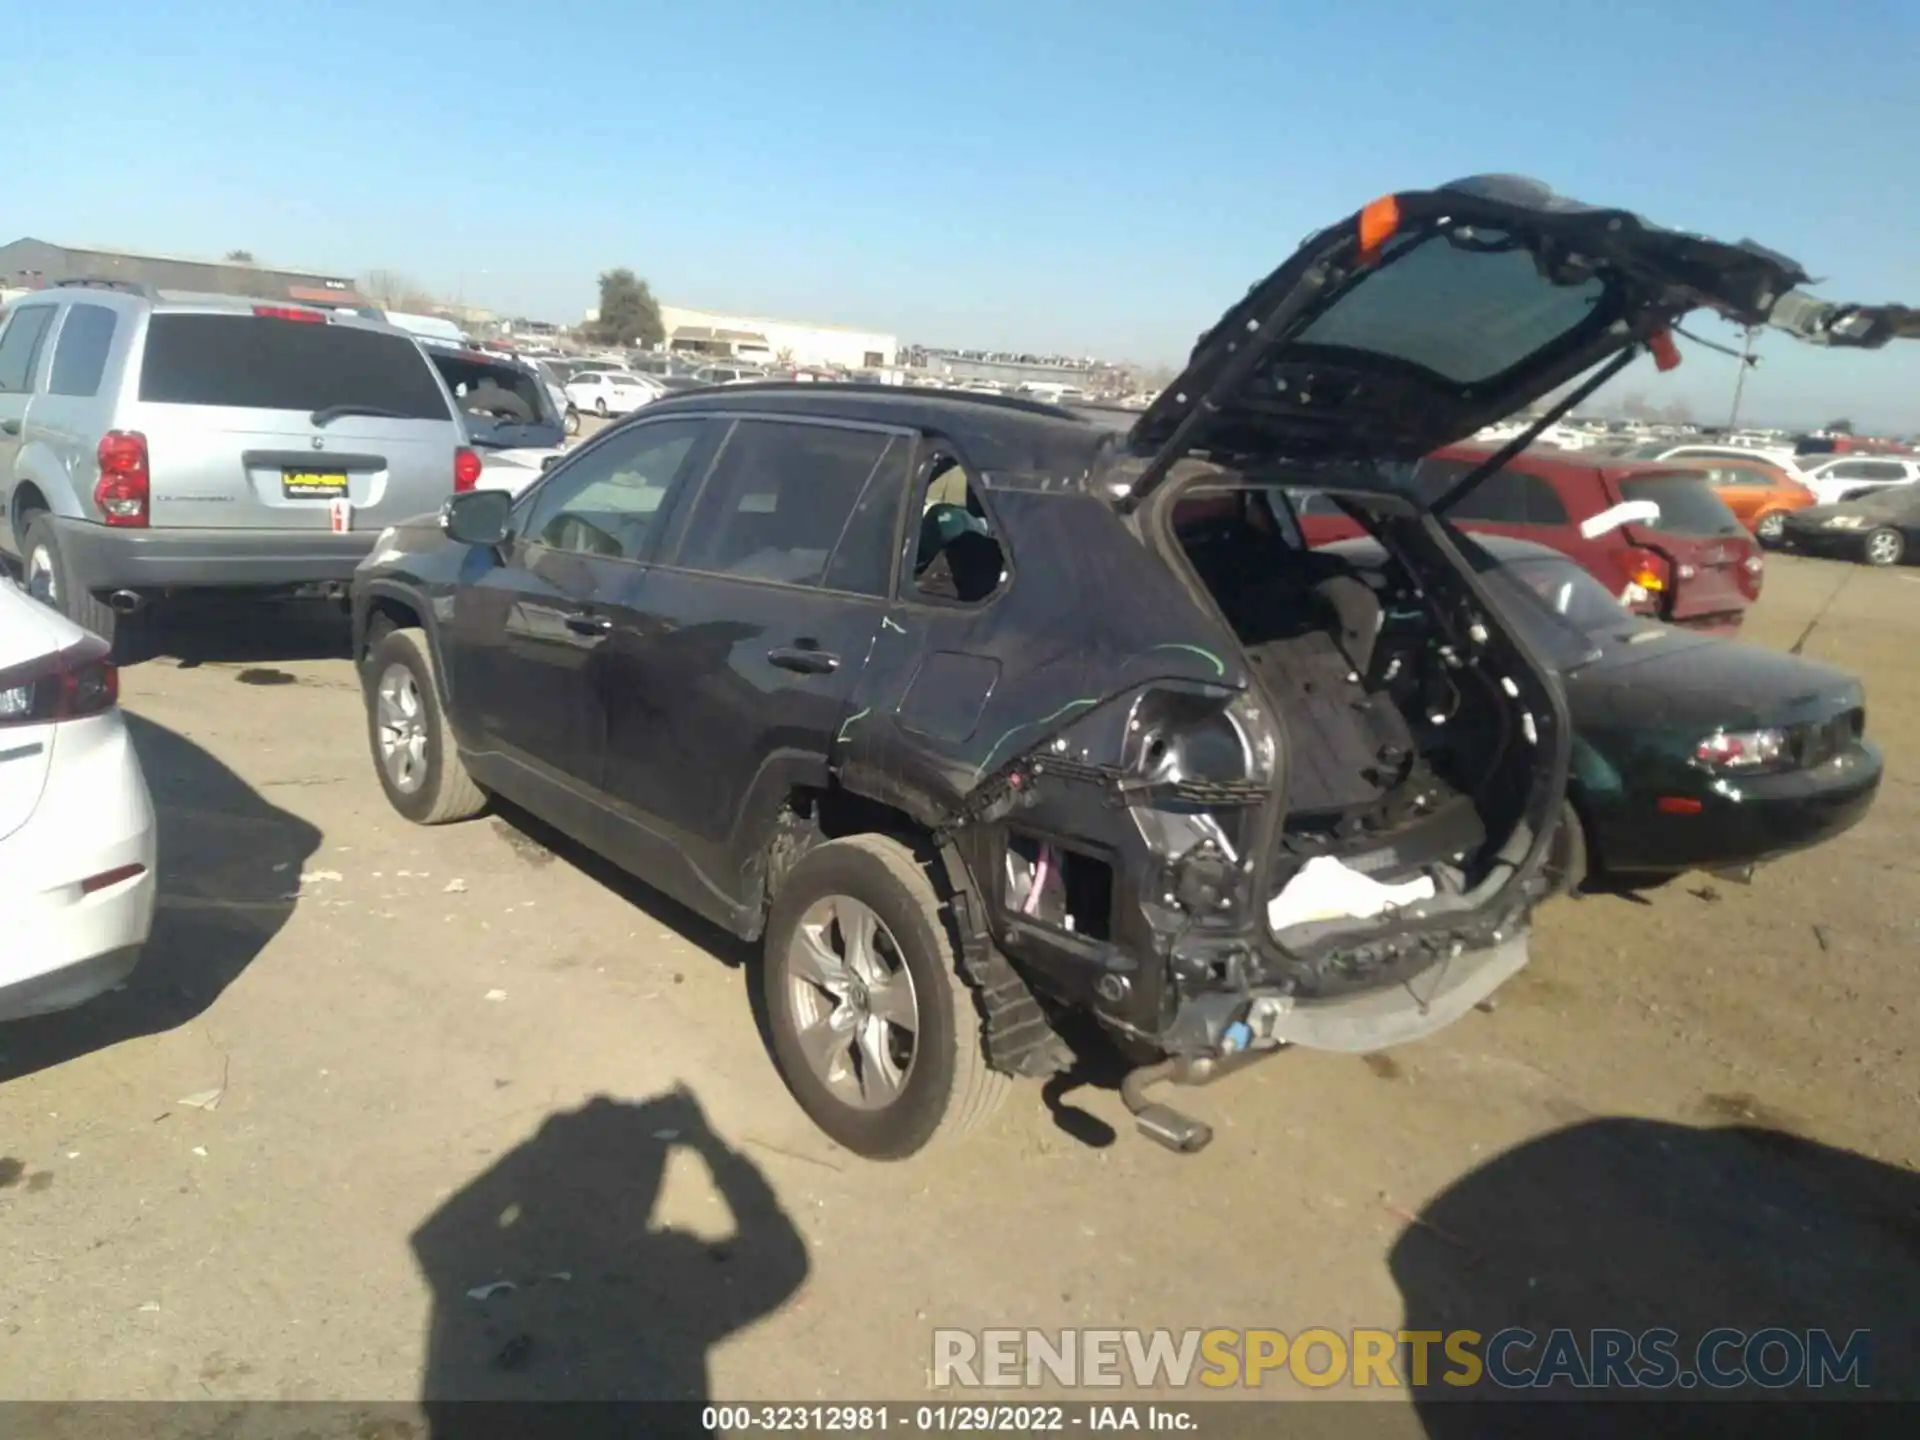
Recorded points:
(790, 342)
(29, 264)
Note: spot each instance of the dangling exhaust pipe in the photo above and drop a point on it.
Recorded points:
(126, 602)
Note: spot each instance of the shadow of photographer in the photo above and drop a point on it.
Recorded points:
(550, 1282)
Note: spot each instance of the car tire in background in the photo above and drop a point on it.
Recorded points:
(600, 407)
(408, 736)
(573, 420)
(1884, 546)
(1771, 528)
(1567, 863)
(48, 578)
(859, 962)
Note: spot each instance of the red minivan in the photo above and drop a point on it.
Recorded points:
(1691, 564)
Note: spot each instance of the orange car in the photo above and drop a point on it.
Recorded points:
(1759, 493)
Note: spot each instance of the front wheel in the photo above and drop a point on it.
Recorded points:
(1772, 528)
(573, 420)
(1884, 546)
(413, 748)
(600, 407)
(875, 1031)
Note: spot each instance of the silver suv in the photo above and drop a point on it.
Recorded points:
(155, 442)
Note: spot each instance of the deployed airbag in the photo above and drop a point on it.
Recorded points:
(1324, 889)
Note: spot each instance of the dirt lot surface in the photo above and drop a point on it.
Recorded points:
(445, 1058)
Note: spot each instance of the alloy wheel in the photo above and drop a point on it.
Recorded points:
(855, 1012)
(1771, 527)
(401, 717)
(1884, 547)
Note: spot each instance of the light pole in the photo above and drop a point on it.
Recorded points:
(1740, 379)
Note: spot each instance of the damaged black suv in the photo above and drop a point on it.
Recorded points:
(981, 712)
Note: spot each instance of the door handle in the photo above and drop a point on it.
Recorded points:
(804, 659)
(12, 427)
(588, 624)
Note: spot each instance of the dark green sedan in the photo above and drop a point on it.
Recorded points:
(1689, 752)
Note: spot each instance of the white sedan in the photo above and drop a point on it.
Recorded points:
(611, 392)
(76, 822)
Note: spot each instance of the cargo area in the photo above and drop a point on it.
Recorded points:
(1408, 767)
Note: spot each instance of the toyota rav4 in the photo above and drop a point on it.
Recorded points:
(977, 712)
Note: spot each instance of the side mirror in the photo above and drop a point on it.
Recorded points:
(1628, 512)
(478, 517)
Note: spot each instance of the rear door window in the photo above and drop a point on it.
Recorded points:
(262, 363)
(778, 500)
(20, 347)
(1687, 504)
(80, 356)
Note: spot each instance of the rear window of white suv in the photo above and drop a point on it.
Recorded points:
(265, 363)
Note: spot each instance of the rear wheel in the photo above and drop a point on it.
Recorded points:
(1885, 546)
(413, 748)
(1772, 528)
(48, 578)
(874, 1030)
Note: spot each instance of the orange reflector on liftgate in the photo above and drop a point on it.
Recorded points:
(1377, 224)
(1666, 354)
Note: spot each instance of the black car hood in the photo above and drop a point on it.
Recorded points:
(1671, 676)
(1429, 314)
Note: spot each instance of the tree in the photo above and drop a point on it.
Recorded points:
(240, 257)
(1839, 427)
(628, 311)
(391, 290)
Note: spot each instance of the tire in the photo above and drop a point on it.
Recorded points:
(890, 1110)
(600, 407)
(1771, 528)
(48, 578)
(572, 426)
(1567, 863)
(1884, 546)
(431, 785)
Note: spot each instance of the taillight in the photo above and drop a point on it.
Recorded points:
(290, 312)
(125, 484)
(73, 683)
(1647, 576)
(466, 470)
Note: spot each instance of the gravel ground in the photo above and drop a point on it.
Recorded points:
(448, 1058)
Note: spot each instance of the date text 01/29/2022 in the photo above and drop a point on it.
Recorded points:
(981, 1419)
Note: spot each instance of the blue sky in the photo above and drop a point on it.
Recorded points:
(1088, 177)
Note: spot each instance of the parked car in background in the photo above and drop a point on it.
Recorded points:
(1847, 477)
(728, 374)
(611, 392)
(153, 443)
(1881, 527)
(77, 834)
(1689, 752)
(941, 699)
(1760, 494)
(1686, 561)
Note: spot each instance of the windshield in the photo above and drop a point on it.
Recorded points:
(1561, 609)
(1889, 500)
(1687, 505)
(1467, 306)
(501, 406)
(260, 363)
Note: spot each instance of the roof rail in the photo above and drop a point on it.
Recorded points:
(100, 282)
